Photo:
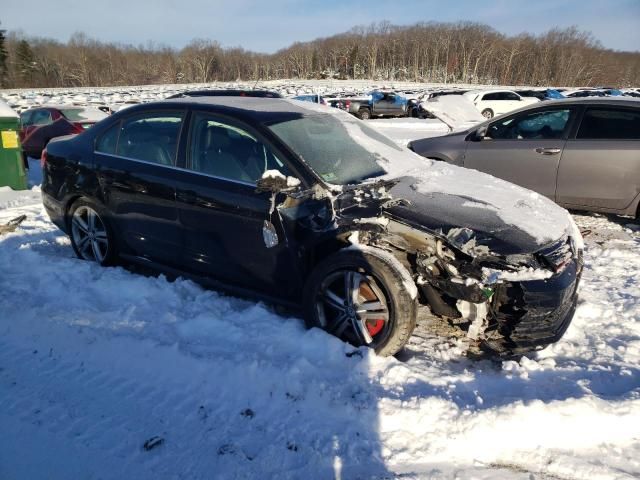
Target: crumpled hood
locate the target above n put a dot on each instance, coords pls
(505, 218)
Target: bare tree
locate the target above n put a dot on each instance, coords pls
(435, 52)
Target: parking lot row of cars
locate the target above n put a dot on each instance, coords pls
(490, 102)
(552, 126)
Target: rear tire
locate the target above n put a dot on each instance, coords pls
(359, 296)
(487, 113)
(364, 114)
(91, 235)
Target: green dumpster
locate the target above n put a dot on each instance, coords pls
(12, 171)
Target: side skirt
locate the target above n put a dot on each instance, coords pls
(213, 284)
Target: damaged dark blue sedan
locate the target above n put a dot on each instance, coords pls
(306, 206)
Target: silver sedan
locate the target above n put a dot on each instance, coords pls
(582, 153)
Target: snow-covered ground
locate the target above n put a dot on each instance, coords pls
(109, 374)
(403, 130)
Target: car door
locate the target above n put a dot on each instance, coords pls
(376, 99)
(600, 166)
(524, 149)
(135, 164)
(221, 212)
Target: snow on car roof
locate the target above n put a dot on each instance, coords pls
(495, 90)
(261, 105)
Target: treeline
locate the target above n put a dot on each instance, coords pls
(427, 52)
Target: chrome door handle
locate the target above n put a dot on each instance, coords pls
(548, 151)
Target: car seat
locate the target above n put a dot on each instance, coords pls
(147, 147)
(215, 158)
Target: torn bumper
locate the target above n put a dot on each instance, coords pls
(531, 315)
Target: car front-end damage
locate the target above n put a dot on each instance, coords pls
(496, 263)
(508, 304)
(503, 303)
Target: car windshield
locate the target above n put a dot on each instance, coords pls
(343, 150)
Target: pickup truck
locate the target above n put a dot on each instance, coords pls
(379, 104)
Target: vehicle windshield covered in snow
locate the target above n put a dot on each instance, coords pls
(341, 149)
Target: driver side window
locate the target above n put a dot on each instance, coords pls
(226, 151)
(550, 124)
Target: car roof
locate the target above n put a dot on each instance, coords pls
(615, 101)
(227, 93)
(62, 106)
(247, 108)
(494, 90)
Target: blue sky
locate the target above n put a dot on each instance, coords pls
(269, 25)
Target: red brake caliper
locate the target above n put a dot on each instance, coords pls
(374, 326)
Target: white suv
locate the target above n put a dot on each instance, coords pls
(496, 102)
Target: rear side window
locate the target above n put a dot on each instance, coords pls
(610, 124)
(109, 140)
(492, 96)
(151, 137)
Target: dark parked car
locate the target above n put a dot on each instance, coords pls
(582, 153)
(311, 208)
(39, 125)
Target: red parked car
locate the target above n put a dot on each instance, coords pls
(39, 125)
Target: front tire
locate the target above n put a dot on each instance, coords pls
(487, 113)
(359, 296)
(91, 236)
